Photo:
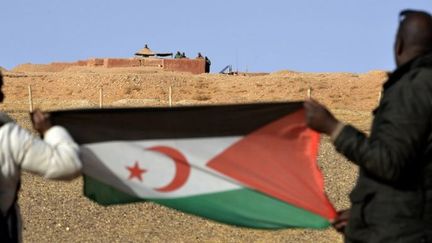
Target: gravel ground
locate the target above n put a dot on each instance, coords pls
(56, 211)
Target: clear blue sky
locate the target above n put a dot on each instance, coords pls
(253, 35)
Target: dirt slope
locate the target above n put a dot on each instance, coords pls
(57, 211)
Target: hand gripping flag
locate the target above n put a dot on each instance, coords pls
(251, 165)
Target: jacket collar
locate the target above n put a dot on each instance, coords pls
(421, 61)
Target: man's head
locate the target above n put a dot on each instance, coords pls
(414, 36)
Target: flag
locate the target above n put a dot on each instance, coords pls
(251, 165)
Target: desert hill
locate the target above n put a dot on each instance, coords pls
(57, 211)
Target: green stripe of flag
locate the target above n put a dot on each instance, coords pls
(241, 207)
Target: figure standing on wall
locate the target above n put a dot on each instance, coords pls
(207, 65)
(178, 55)
(199, 56)
(183, 55)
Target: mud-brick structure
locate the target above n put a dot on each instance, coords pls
(143, 58)
(195, 66)
(148, 58)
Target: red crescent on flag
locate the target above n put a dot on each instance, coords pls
(181, 164)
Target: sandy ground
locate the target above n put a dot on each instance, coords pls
(57, 212)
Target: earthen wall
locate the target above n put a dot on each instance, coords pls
(195, 66)
(95, 62)
(121, 62)
(151, 62)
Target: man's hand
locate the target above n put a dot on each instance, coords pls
(319, 118)
(41, 121)
(341, 221)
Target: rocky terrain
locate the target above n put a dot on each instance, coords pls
(58, 212)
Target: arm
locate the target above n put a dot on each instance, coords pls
(55, 157)
(396, 139)
(58, 155)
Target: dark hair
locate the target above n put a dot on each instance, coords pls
(422, 38)
(406, 12)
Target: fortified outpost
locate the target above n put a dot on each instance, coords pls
(143, 58)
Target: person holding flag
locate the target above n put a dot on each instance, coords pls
(54, 157)
(392, 200)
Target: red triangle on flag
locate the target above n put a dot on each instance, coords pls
(279, 160)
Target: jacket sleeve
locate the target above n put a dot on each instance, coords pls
(399, 132)
(55, 157)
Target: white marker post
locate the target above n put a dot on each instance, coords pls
(379, 96)
(30, 98)
(309, 93)
(100, 97)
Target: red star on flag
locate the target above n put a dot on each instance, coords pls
(135, 171)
